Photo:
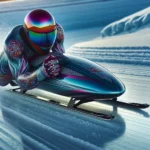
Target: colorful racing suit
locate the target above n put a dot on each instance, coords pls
(16, 61)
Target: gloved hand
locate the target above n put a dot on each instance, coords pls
(51, 66)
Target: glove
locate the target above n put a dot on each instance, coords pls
(51, 67)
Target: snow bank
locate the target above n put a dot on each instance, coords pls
(125, 48)
(131, 48)
(128, 24)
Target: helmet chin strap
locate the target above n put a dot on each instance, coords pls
(45, 49)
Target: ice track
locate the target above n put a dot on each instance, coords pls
(32, 124)
(28, 124)
(55, 128)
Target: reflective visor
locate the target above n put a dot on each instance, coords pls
(43, 39)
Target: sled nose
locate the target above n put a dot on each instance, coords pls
(94, 88)
(112, 87)
(109, 86)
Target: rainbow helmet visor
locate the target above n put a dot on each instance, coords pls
(41, 27)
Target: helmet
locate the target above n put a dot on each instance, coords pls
(41, 28)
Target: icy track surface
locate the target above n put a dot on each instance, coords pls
(29, 124)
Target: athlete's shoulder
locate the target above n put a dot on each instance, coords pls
(14, 33)
(13, 43)
(14, 49)
(60, 32)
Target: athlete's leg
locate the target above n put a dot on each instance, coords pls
(5, 73)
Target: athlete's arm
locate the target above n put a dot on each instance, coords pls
(59, 42)
(20, 69)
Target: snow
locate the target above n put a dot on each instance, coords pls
(129, 49)
(128, 24)
(26, 123)
(125, 48)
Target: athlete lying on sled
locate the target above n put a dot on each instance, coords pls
(34, 41)
(36, 38)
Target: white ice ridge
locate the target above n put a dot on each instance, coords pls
(124, 55)
(128, 24)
